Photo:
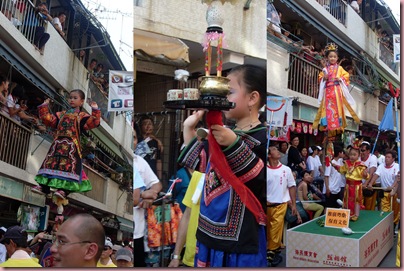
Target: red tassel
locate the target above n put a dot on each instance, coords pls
(218, 160)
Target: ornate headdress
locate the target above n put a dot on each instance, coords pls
(331, 47)
(356, 144)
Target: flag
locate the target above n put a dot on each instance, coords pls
(387, 123)
(396, 47)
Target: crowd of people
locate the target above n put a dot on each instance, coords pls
(80, 241)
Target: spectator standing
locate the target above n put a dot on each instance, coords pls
(40, 36)
(355, 5)
(15, 241)
(146, 187)
(295, 160)
(4, 84)
(124, 258)
(283, 149)
(58, 23)
(281, 188)
(79, 242)
(313, 164)
(105, 258)
(150, 148)
(333, 181)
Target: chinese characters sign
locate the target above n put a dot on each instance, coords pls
(337, 218)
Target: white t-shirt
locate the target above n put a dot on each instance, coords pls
(370, 163)
(355, 6)
(387, 174)
(56, 21)
(340, 162)
(284, 158)
(149, 178)
(334, 180)
(279, 179)
(380, 160)
(313, 164)
(11, 103)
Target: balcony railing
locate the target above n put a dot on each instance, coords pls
(337, 8)
(22, 15)
(102, 101)
(14, 142)
(303, 76)
(98, 182)
(386, 55)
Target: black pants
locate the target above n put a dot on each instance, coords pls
(40, 37)
(138, 253)
(331, 201)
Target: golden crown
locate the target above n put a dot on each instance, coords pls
(331, 47)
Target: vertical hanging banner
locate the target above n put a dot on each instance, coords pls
(396, 46)
(120, 97)
(279, 117)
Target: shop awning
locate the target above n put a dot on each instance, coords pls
(160, 48)
(104, 141)
(125, 224)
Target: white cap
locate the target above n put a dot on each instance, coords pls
(319, 148)
(108, 243)
(3, 229)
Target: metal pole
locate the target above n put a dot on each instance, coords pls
(397, 130)
(374, 145)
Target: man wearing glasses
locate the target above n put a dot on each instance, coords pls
(370, 160)
(105, 259)
(79, 242)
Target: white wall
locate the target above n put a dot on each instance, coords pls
(244, 29)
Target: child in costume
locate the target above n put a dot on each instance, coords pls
(333, 96)
(354, 171)
(230, 231)
(62, 168)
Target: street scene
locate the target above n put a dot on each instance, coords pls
(200, 133)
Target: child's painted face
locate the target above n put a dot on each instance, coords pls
(75, 100)
(238, 94)
(332, 57)
(353, 155)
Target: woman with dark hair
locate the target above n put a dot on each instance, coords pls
(295, 160)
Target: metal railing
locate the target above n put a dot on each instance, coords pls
(101, 99)
(386, 55)
(337, 8)
(14, 142)
(22, 15)
(303, 76)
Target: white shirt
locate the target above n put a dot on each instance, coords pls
(340, 162)
(57, 22)
(11, 103)
(3, 253)
(279, 179)
(380, 161)
(355, 6)
(149, 178)
(370, 163)
(387, 174)
(314, 164)
(334, 180)
(284, 158)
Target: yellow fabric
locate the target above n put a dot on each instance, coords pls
(354, 173)
(189, 254)
(370, 202)
(20, 263)
(275, 223)
(315, 207)
(99, 264)
(398, 250)
(321, 113)
(386, 203)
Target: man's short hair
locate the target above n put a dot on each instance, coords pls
(90, 229)
(392, 152)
